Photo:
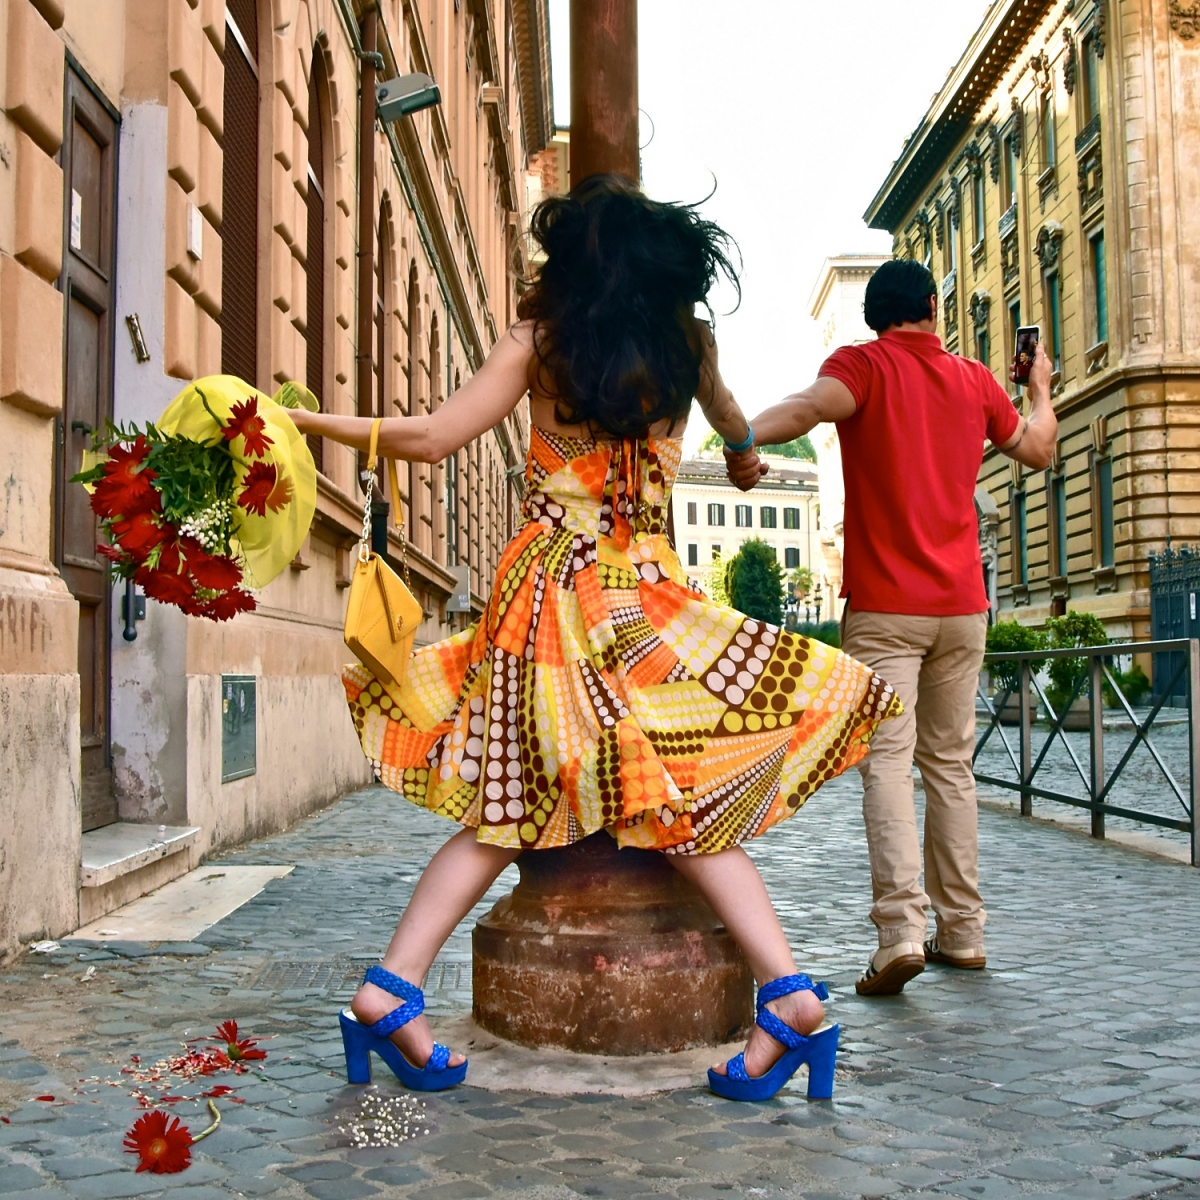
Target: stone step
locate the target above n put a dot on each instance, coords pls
(115, 850)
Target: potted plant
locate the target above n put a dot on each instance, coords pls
(1066, 674)
(1009, 637)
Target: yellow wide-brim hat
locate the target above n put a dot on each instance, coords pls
(265, 544)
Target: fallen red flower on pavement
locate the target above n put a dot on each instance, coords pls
(44, 1098)
(237, 1048)
(163, 1147)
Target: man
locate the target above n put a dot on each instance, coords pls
(911, 421)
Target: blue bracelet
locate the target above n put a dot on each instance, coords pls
(741, 447)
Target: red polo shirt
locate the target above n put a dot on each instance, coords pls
(910, 457)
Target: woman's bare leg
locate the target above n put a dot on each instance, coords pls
(450, 886)
(730, 882)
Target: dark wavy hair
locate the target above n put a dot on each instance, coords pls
(612, 305)
(898, 291)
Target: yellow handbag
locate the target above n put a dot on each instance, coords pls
(382, 615)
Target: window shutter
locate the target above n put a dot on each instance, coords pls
(239, 197)
(315, 270)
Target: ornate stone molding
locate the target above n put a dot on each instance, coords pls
(1100, 29)
(1018, 128)
(1185, 18)
(1049, 244)
(981, 306)
(1070, 63)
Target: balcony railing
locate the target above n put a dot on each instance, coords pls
(1088, 134)
(1008, 219)
(1047, 776)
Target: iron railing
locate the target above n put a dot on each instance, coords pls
(1097, 797)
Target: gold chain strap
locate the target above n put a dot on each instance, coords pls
(368, 476)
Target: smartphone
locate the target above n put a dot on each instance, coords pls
(1028, 337)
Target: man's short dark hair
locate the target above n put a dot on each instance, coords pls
(898, 291)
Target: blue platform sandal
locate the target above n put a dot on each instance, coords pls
(819, 1050)
(360, 1040)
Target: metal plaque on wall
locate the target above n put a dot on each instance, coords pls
(239, 746)
(460, 600)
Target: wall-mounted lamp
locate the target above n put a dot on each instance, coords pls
(405, 95)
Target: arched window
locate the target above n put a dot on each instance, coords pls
(239, 193)
(415, 473)
(318, 107)
(383, 282)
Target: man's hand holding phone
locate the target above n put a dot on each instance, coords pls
(1036, 371)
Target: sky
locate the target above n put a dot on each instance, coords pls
(797, 109)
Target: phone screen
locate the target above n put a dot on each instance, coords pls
(1028, 337)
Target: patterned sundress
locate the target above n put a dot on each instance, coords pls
(603, 690)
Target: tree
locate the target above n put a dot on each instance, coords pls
(801, 447)
(754, 581)
(802, 580)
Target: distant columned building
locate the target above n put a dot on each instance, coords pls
(713, 518)
(836, 304)
(1051, 183)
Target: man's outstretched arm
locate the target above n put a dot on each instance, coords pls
(1036, 435)
(827, 399)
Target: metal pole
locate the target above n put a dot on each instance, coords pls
(1096, 713)
(1193, 700)
(366, 223)
(604, 89)
(1026, 740)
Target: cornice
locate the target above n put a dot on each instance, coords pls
(996, 44)
(531, 38)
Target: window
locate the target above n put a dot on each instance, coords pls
(691, 513)
(983, 346)
(951, 234)
(1014, 323)
(1020, 539)
(716, 552)
(743, 516)
(1102, 502)
(1056, 522)
(452, 516)
(1091, 80)
(716, 514)
(977, 204)
(791, 557)
(314, 333)
(766, 517)
(1048, 133)
(693, 554)
(1010, 170)
(1099, 289)
(1052, 290)
(239, 193)
(791, 518)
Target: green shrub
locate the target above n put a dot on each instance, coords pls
(1072, 629)
(1133, 683)
(1007, 637)
(754, 581)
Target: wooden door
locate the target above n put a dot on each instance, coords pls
(89, 160)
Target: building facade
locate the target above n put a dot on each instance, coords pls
(190, 187)
(712, 518)
(1051, 183)
(836, 305)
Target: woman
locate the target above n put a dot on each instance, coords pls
(600, 689)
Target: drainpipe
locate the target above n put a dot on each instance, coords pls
(366, 215)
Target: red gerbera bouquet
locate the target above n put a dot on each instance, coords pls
(181, 512)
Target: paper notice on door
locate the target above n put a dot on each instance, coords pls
(76, 220)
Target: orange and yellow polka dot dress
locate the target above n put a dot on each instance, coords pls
(601, 690)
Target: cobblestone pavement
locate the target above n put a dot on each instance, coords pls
(1069, 1067)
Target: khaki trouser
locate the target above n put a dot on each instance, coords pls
(933, 663)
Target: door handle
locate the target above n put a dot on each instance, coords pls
(82, 427)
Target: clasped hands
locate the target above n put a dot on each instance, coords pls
(745, 469)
